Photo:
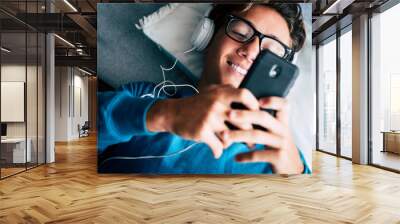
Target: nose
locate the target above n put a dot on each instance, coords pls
(250, 50)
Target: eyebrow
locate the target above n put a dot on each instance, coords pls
(271, 35)
(254, 27)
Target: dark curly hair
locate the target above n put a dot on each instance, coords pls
(290, 12)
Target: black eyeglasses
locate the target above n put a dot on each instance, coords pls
(243, 31)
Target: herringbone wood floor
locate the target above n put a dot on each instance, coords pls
(70, 191)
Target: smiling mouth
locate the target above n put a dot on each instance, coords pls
(237, 68)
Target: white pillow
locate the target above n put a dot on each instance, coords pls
(171, 27)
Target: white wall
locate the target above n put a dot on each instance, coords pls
(80, 87)
(62, 81)
(12, 73)
(33, 127)
(70, 83)
(12, 101)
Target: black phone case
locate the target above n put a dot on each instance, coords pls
(269, 75)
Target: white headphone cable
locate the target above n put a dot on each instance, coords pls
(176, 85)
(149, 157)
(163, 85)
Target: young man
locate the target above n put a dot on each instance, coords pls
(135, 132)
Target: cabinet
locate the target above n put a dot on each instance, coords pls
(391, 141)
(13, 150)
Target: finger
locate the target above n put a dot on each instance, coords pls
(214, 143)
(269, 156)
(217, 122)
(248, 99)
(243, 96)
(262, 118)
(240, 125)
(252, 137)
(273, 102)
(279, 104)
(225, 144)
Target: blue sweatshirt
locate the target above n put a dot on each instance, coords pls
(122, 134)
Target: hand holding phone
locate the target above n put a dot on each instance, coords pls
(269, 75)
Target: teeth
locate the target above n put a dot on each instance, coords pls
(238, 68)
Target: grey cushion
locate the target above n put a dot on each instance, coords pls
(124, 53)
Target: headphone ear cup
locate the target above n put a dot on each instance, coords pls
(202, 34)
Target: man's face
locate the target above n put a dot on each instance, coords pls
(227, 61)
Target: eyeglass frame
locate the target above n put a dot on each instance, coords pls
(288, 51)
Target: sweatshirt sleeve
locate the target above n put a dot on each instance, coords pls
(122, 114)
(307, 169)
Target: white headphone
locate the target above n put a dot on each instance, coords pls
(203, 32)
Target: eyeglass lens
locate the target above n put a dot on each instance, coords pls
(243, 32)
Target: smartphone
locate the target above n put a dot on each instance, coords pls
(269, 75)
